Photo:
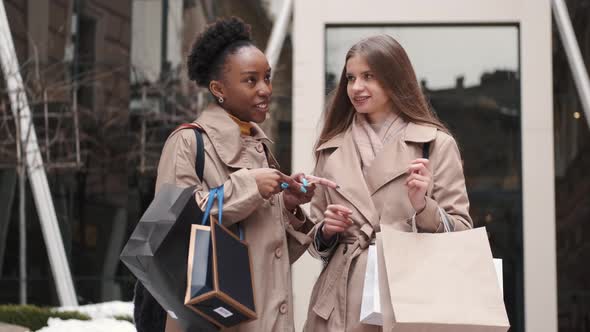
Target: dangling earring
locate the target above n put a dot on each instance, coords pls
(221, 100)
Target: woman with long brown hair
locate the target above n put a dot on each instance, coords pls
(377, 130)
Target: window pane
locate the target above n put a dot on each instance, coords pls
(572, 180)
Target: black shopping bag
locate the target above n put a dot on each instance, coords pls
(219, 271)
(157, 250)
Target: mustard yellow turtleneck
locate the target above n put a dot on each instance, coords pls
(245, 127)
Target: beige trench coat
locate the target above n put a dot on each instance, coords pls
(381, 198)
(275, 236)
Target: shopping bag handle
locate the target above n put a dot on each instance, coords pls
(443, 217)
(210, 200)
(220, 195)
(217, 193)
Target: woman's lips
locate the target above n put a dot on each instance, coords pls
(360, 100)
(263, 107)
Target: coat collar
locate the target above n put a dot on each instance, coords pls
(419, 133)
(224, 134)
(414, 132)
(390, 163)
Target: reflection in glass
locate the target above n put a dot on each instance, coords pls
(470, 74)
(572, 181)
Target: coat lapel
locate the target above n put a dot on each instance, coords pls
(345, 169)
(224, 135)
(394, 159)
(390, 163)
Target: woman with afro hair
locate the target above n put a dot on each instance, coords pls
(225, 60)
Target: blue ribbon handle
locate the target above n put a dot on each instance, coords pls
(210, 200)
(213, 194)
(220, 203)
(220, 195)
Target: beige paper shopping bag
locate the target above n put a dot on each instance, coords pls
(439, 282)
(371, 300)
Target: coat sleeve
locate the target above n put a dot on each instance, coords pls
(448, 189)
(177, 166)
(298, 229)
(319, 203)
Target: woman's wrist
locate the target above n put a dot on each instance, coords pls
(289, 204)
(326, 236)
(291, 207)
(295, 211)
(420, 209)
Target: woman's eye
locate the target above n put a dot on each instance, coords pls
(368, 76)
(350, 78)
(251, 80)
(267, 78)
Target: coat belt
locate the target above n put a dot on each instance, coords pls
(334, 291)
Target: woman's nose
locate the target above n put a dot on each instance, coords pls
(358, 85)
(264, 90)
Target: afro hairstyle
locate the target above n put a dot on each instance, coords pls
(212, 46)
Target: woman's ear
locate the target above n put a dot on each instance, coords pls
(216, 88)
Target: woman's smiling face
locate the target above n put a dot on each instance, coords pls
(364, 90)
(246, 85)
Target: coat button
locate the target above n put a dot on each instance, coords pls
(272, 200)
(278, 252)
(283, 308)
(259, 148)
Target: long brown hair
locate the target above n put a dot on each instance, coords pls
(393, 70)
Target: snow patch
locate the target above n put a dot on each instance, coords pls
(103, 310)
(97, 325)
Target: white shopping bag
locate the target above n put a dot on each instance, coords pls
(371, 306)
(499, 272)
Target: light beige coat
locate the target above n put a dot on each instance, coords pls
(380, 198)
(275, 236)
